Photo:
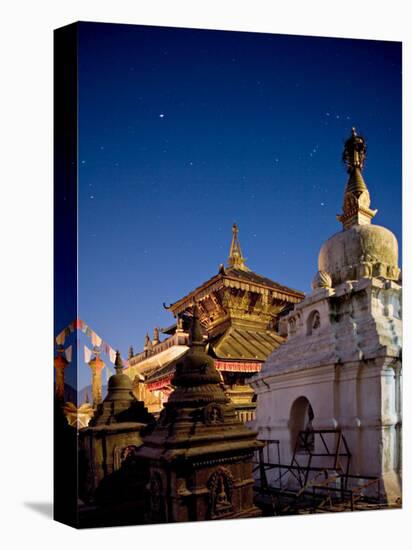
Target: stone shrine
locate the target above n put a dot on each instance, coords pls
(340, 368)
(199, 454)
(107, 447)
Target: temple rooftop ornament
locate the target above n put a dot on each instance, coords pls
(236, 258)
(356, 201)
(238, 279)
(148, 346)
(361, 249)
(156, 338)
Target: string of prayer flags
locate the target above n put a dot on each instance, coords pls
(96, 340)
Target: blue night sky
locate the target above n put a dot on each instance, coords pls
(183, 132)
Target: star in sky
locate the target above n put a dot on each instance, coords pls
(229, 136)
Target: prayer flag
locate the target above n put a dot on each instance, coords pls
(87, 354)
(68, 353)
(96, 340)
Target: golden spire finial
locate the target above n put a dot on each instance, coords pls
(236, 259)
(356, 200)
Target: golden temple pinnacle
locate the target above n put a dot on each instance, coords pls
(236, 259)
(356, 200)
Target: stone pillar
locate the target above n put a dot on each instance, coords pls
(60, 363)
(96, 365)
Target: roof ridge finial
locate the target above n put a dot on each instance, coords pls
(354, 152)
(356, 200)
(236, 258)
(147, 343)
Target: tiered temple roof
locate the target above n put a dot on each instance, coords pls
(238, 310)
(240, 343)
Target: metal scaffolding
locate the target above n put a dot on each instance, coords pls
(318, 478)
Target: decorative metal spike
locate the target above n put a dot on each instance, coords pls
(354, 152)
(236, 258)
(356, 202)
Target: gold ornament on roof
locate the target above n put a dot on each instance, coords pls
(356, 201)
(236, 258)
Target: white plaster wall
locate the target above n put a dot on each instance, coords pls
(348, 369)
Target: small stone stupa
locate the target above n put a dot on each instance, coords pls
(341, 366)
(200, 454)
(107, 447)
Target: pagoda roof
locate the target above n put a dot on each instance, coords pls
(243, 277)
(236, 344)
(169, 330)
(238, 275)
(165, 370)
(156, 361)
(253, 277)
(239, 343)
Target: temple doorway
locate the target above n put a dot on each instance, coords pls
(301, 418)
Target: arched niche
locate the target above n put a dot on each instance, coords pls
(301, 418)
(313, 322)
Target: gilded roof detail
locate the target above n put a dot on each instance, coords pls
(242, 343)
